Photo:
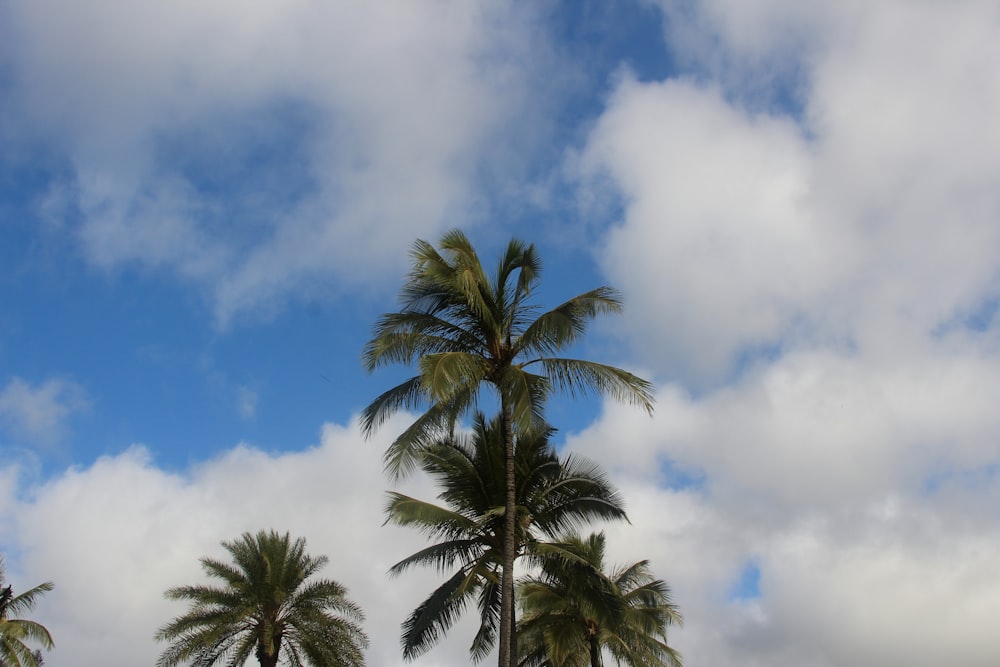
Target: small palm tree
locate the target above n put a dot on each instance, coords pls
(553, 495)
(469, 332)
(15, 631)
(266, 608)
(573, 611)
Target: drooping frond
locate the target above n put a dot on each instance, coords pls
(565, 324)
(435, 615)
(405, 336)
(430, 519)
(577, 377)
(435, 423)
(408, 394)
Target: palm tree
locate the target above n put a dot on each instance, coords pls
(573, 611)
(265, 607)
(15, 631)
(553, 496)
(468, 331)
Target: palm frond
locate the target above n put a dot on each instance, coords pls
(435, 615)
(266, 607)
(565, 324)
(408, 394)
(577, 377)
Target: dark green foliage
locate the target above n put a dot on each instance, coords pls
(266, 608)
(573, 611)
(469, 332)
(553, 495)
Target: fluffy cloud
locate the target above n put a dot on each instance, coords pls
(258, 152)
(869, 219)
(819, 286)
(134, 530)
(38, 414)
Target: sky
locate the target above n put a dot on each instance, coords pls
(204, 206)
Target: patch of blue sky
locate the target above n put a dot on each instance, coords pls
(680, 478)
(256, 160)
(980, 318)
(976, 479)
(747, 585)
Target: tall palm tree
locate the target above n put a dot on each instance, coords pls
(573, 611)
(265, 607)
(468, 332)
(14, 631)
(553, 495)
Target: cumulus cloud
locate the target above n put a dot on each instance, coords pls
(133, 530)
(817, 287)
(38, 414)
(867, 220)
(259, 152)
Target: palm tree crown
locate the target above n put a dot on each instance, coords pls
(15, 631)
(266, 607)
(553, 496)
(573, 611)
(466, 331)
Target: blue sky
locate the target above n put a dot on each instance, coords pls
(205, 206)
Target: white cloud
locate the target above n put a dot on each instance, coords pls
(718, 249)
(868, 221)
(115, 535)
(816, 287)
(247, 402)
(39, 413)
(340, 131)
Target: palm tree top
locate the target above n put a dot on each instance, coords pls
(575, 608)
(465, 330)
(267, 605)
(15, 630)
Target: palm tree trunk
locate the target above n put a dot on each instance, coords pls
(595, 652)
(266, 659)
(508, 646)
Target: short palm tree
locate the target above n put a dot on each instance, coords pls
(266, 608)
(468, 331)
(15, 631)
(573, 611)
(553, 495)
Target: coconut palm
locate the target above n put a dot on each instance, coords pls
(265, 607)
(469, 332)
(573, 611)
(553, 495)
(15, 631)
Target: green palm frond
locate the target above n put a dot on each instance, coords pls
(435, 423)
(435, 615)
(552, 493)
(466, 330)
(442, 556)
(431, 519)
(265, 607)
(557, 329)
(574, 602)
(444, 373)
(16, 631)
(576, 378)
